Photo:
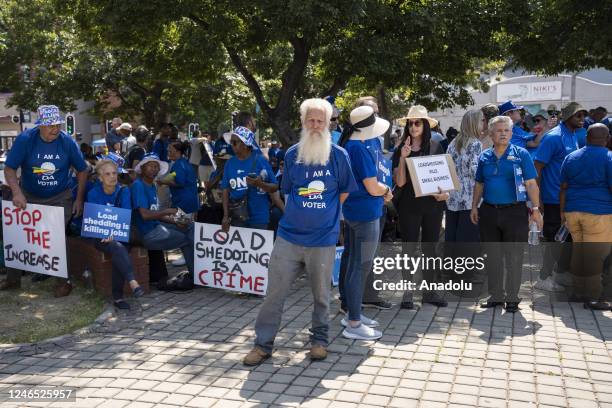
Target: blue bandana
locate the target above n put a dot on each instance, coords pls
(49, 115)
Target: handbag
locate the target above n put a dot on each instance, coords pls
(238, 209)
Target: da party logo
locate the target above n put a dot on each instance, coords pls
(314, 190)
(47, 168)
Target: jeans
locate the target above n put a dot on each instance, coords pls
(169, 236)
(504, 235)
(123, 271)
(459, 227)
(287, 262)
(361, 239)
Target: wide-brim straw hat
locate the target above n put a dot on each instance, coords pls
(367, 125)
(419, 112)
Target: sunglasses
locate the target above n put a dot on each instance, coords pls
(334, 119)
(416, 123)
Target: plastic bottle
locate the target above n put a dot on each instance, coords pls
(534, 234)
(562, 234)
(88, 279)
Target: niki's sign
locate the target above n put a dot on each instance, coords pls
(529, 91)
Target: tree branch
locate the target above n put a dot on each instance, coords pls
(335, 87)
(295, 71)
(249, 78)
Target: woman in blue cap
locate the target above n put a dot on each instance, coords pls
(247, 177)
(109, 192)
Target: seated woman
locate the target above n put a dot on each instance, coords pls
(108, 192)
(247, 174)
(158, 229)
(182, 179)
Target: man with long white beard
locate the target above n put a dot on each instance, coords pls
(317, 178)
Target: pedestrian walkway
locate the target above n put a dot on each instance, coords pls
(185, 349)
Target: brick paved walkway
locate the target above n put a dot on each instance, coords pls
(186, 350)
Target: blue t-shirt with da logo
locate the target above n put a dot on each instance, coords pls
(365, 157)
(45, 166)
(144, 196)
(312, 207)
(235, 173)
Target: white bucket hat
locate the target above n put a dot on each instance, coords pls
(366, 125)
(419, 112)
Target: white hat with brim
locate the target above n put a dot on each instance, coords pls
(374, 126)
(152, 157)
(419, 112)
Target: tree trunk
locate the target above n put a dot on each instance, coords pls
(383, 110)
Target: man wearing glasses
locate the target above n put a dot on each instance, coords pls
(568, 136)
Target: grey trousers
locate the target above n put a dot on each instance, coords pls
(287, 262)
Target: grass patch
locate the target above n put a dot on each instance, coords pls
(32, 314)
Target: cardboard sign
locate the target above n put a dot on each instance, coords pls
(336, 271)
(236, 260)
(427, 173)
(103, 221)
(35, 238)
(209, 151)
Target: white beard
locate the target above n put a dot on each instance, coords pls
(314, 147)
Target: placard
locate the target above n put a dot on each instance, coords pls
(209, 151)
(236, 260)
(337, 262)
(35, 238)
(384, 170)
(430, 172)
(103, 221)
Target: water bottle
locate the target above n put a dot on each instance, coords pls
(534, 234)
(562, 234)
(88, 279)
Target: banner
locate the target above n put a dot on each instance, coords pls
(236, 260)
(427, 173)
(102, 221)
(35, 238)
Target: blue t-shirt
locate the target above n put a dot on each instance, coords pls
(185, 194)
(588, 174)
(45, 166)
(520, 137)
(144, 196)
(112, 138)
(160, 148)
(365, 157)
(554, 147)
(235, 173)
(498, 176)
(121, 196)
(220, 144)
(312, 194)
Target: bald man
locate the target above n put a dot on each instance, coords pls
(586, 207)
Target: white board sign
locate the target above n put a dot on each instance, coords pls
(428, 173)
(236, 260)
(529, 91)
(35, 238)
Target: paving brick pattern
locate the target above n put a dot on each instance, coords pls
(185, 349)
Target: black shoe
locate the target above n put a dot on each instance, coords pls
(490, 303)
(121, 304)
(381, 304)
(407, 305)
(138, 291)
(435, 300)
(597, 305)
(512, 307)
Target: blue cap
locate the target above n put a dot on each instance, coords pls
(507, 107)
(118, 160)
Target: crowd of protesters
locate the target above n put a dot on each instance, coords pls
(519, 175)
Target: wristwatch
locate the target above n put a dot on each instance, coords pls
(386, 191)
(535, 208)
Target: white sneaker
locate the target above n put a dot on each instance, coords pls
(179, 262)
(365, 320)
(548, 285)
(362, 332)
